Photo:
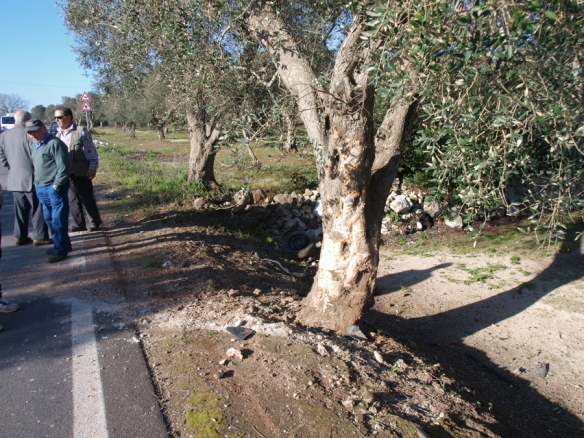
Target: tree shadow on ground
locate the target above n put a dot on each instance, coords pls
(523, 410)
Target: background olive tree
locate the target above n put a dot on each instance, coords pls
(183, 45)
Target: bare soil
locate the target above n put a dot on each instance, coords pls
(452, 338)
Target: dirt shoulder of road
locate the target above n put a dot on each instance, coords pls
(452, 339)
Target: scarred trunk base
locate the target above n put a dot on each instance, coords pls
(344, 284)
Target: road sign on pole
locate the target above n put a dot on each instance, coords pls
(85, 97)
(86, 107)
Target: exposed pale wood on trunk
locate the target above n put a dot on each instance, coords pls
(356, 166)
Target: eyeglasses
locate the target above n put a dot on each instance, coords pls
(59, 117)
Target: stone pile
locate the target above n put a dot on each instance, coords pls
(282, 214)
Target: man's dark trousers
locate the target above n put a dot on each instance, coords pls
(81, 195)
(25, 204)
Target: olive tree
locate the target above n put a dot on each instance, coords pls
(356, 161)
(180, 42)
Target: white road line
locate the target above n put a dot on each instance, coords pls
(89, 420)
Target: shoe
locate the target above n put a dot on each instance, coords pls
(24, 241)
(56, 258)
(75, 229)
(41, 242)
(8, 307)
(50, 250)
(94, 227)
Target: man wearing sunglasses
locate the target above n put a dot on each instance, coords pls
(84, 163)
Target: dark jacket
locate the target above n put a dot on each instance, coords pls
(15, 157)
(51, 162)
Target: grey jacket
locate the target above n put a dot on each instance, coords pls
(15, 156)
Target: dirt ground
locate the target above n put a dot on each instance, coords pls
(453, 342)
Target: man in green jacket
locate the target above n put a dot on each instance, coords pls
(51, 177)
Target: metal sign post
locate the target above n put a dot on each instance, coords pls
(85, 99)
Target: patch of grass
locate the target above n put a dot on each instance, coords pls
(515, 260)
(151, 175)
(393, 217)
(148, 263)
(205, 418)
(401, 241)
(481, 274)
(523, 271)
(527, 285)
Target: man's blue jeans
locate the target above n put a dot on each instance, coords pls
(56, 213)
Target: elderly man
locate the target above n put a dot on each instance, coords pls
(84, 162)
(51, 177)
(15, 157)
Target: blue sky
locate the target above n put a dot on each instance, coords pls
(36, 58)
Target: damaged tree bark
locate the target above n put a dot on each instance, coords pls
(356, 165)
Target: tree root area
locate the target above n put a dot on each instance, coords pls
(189, 276)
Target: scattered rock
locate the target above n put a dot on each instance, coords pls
(401, 204)
(541, 370)
(235, 353)
(356, 333)
(348, 404)
(378, 357)
(260, 197)
(455, 223)
(200, 203)
(432, 208)
(322, 350)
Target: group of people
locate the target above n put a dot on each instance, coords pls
(49, 176)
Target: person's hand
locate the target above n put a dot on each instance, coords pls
(91, 173)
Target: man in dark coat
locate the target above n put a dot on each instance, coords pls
(15, 157)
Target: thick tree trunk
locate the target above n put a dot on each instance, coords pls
(290, 145)
(356, 166)
(203, 136)
(161, 133)
(132, 130)
(353, 194)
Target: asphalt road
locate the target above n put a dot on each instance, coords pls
(71, 364)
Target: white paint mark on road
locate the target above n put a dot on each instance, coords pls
(78, 262)
(89, 420)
